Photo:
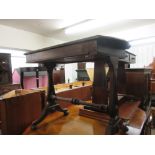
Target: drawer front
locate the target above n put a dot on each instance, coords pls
(132, 59)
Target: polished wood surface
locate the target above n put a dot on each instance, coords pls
(138, 81)
(103, 51)
(138, 119)
(94, 115)
(84, 50)
(83, 93)
(152, 66)
(74, 124)
(127, 109)
(77, 91)
(18, 109)
(67, 86)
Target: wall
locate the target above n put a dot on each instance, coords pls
(145, 53)
(15, 38)
(51, 41)
(70, 72)
(135, 33)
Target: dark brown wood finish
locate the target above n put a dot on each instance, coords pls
(5, 68)
(51, 104)
(83, 93)
(84, 50)
(63, 54)
(18, 109)
(128, 110)
(102, 50)
(100, 92)
(73, 124)
(8, 87)
(58, 75)
(138, 84)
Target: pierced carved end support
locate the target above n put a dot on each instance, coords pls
(113, 98)
(114, 123)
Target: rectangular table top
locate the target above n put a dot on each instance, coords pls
(82, 50)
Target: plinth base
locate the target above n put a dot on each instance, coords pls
(94, 115)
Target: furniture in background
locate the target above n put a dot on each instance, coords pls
(138, 84)
(63, 90)
(35, 77)
(18, 109)
(152, 87)
(8, 87)
(74, 90)
(5, 69)
(82, 74)
(6, 74)
(152, 91)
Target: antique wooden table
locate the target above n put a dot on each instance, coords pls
(103, 51)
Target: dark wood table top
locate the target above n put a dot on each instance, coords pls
(86, 49)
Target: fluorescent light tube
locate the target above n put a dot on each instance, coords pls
(88, 25)
(70, 22)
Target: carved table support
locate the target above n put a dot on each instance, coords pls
(116, 68)
(113, 98)
(51, 106)
(100, 94)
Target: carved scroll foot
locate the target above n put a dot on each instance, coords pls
(41, 118)
(113, 126)
(116, 125)
(46, 111)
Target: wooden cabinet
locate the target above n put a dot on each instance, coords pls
(59, 76)
(18, 109)
(82, 74)
(34, 77)
(5, 68)
(6, 74)
(82, 93)
(138, 82)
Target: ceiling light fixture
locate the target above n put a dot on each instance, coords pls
(89, 25)
(69, 22)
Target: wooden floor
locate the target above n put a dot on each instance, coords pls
(73, 124)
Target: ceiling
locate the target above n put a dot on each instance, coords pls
(55, 28)
(44, 27)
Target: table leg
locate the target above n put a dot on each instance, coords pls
(113, 99)
(51, 106)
